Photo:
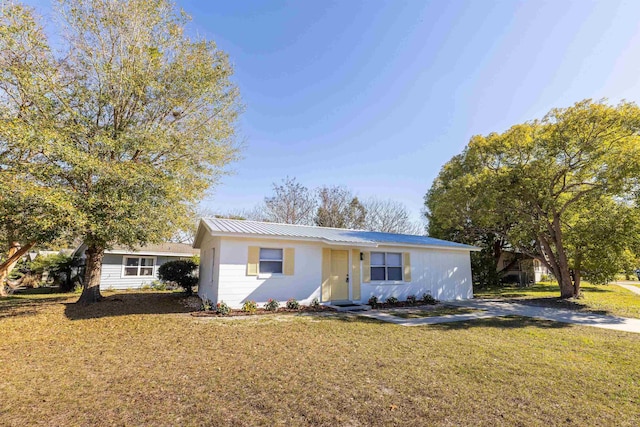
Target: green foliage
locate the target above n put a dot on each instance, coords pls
(292, 304)
(429, 299)
(206, 304)
(392, 300)
(249, 306)
(181, 272)
(222, 308)
(315, 303)
(552, 189)
(272, 305)
(411, 299)
(373, 301)
(118, 137)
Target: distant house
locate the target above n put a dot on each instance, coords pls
(249, 260)
(515, 267)
(123, 268)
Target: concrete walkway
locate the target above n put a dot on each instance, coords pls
(497, 308)
(632, 286)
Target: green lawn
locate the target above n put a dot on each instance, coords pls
(138, 359)
(605, 299)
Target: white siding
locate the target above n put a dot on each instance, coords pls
(209, 269)
(235, 287)
(445, 274)
(112, 276)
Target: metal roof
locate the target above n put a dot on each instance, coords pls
(340, 236)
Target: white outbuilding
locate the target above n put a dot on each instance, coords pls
(249, 260)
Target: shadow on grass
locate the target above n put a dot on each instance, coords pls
(123, 304)
(553, 302)
(25, 302)
(504, 322)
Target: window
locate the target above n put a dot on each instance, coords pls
(270, 261)
(138, 266)
(386, 266)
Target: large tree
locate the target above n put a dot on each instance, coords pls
(291, 203)
(339, 208)
(559, 189)
(133, 121)
(389, 216)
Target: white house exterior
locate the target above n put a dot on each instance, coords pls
(125, 268)
(249, 260)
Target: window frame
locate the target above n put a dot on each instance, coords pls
(139, 267)
(386, 267)
(260, 260)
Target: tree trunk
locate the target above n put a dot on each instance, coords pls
(576, 283)
(564, 280)
(15, 253)
(93, 270)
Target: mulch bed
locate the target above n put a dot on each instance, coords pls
(262, 312)
(401, 304)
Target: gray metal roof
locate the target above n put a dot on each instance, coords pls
(218, 226)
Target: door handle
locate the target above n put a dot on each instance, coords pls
(347, 278)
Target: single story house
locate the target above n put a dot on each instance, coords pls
(125, 268)
(250, 260)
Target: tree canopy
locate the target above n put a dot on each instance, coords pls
(124, 130)
(562, 189)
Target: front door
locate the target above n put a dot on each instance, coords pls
(339, 275)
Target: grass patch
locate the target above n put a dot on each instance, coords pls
(438, 311)
(137, 359)
(602, 299)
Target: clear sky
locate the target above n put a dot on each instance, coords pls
(377, 95)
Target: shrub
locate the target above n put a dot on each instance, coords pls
(392, 300)
(411, 299)
(373, 301)
(272, 305)
(222, 308)
(315, 303)
(182, 272)
(428, 299)
(293, 304)
(206, 304)
(249, 306)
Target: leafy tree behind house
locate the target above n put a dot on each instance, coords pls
(182, 272)
(130, 125)
(551, 188)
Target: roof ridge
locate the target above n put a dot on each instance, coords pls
(320, 227)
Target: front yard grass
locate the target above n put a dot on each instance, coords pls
(604, 299)
(139, 359)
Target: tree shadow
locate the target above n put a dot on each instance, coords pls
(123, 304)
(503, 322)
(554, 302)
(21, 302)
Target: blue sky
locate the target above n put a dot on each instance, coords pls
(378, 95)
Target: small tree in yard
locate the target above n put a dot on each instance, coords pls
(182, 272)
(123, 132)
